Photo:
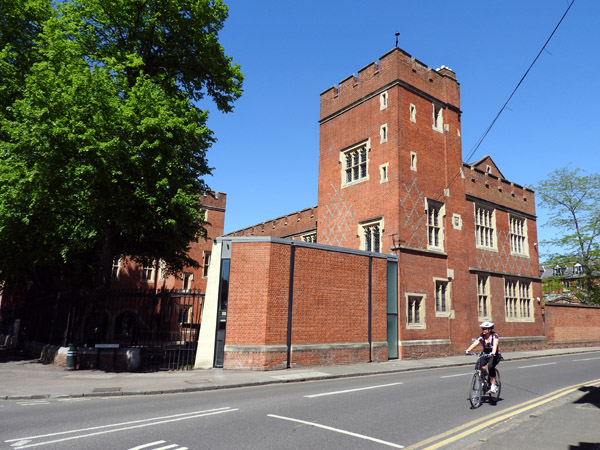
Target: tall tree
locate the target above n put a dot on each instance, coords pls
(102, 142)
(573, 201)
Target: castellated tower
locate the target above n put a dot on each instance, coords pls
(389, 145)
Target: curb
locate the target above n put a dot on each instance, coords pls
(269, 382)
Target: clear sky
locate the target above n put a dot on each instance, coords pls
(266, 157)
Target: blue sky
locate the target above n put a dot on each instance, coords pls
(266, 157)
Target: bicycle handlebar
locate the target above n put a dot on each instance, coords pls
(479, 354)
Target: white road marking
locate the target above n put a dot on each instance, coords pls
(586, 359)
(337, 430)
(124, 426)
(457, 375)
(74, 399)
(351, 390)
(151, 444)
(536, 365)
(34, 403)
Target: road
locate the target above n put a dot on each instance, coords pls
(373, 412)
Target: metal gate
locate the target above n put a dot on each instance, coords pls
(164, 325)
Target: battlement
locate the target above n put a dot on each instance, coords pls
(216, 200)
(284, 226)
(394, 68)
(485, 185)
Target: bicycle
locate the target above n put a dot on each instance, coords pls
(480, 382)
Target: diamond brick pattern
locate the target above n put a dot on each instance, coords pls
(337, 217)
(502, 260)
(412, 204)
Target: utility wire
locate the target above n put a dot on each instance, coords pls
(480, 140)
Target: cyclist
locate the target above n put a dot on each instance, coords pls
(489, 340)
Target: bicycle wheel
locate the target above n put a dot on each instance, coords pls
(475, 390)
(496, 395)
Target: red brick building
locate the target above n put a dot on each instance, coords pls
(392, 182)
(130, 274)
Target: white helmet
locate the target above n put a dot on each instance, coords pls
(487, 325)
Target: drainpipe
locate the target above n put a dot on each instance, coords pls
(290, 304)
(370, 307)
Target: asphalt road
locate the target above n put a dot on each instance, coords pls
(374, 412)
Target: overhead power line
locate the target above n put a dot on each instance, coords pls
(483, 136)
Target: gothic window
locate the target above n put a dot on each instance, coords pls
(370, 236)
(483, 297)
(485, 227)
(435, 230)
(517, 300)
(518, 235)
(355, 164)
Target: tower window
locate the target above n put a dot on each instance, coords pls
(383, 100)
(438, 118)
(355, 164)
(383, 133)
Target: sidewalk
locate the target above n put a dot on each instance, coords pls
(568, 423)
(29, 379)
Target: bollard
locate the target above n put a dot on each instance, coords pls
(71, 357)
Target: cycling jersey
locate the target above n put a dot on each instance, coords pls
(488, 344)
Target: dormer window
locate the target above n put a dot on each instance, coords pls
(578, 268)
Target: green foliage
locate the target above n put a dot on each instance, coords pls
(102, 146)
(573, 200)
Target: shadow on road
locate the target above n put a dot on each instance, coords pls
(592, 397)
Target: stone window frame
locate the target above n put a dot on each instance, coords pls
(437, 117)
(384, 173)
(162, 267)
(415, 311)
(484, 298)
(206, 258)
(413, 161)
(383, 100)
(446, 284)
(370, 234)
(311, 236)
(116, 268)
(186, 281)
(147, 273)
(518, 301)
(485, 227)
(358, 169)
(437, 211)
(383, 133)
(517, 231)
(413, 113)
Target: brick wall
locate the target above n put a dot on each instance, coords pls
(572, 325)
(330, 316)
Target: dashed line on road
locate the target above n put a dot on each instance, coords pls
(457, 375)
(346, 391)
(536, 365)
(34, 403)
